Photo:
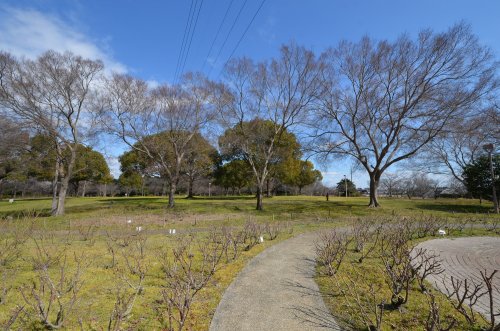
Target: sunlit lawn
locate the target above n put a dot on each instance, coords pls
(299, 206)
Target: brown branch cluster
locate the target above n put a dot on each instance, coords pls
(331, 250)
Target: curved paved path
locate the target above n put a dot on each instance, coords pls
(276, 291)
(464, 258)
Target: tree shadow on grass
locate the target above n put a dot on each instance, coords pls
(222, 197)
(454, 208)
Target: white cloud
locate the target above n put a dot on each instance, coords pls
(114, 166)
(28, 32)
(152, 83)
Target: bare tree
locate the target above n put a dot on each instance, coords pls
(13, 141)
(279, 93)
(460, 143)
(158, 123)
(51, 94)
(392, 183)
(385, 101)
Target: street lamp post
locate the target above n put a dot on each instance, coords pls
(345, 182)
(490, 148)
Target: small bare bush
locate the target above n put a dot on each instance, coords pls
(251, 234)
(331, 250)
(395, 253)
(491, 291)
(13, 238)
(434, 321)
(425, 264)
(234, 240)
(13, 316)
(458, 224)
(272, 230)
(428, 226)
(492, 225)
(463, 295)
(366, 302)
(366, 234)
(130, 279)
(51, 297)
(188, 269)
(11, 244)
(88, 232)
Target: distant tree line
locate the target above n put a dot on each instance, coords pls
(376, 103)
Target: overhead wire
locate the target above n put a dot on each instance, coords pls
(191, 39)
(227, 35)
(187, 28)
(245, 31)
(216, 35)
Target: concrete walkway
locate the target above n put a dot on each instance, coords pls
(464, 258)
(276, 291)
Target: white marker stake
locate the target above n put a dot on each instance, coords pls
(261, 239)
(173, 231)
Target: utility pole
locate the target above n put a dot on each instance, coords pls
(490, 148)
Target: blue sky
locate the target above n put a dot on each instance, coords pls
(144, 38)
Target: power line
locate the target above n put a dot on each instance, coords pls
(246, 30)
(228, 34)
(191, 39)
(187, 28)
(217, 34)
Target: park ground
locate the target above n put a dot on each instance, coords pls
(88, 220)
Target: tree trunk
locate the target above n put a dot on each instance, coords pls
(164, 189)
(23, 192)
(54, 194)
(268, 187)
(374, 181)
(300, 190)
(65, 183)
(55, 183)
(84, 188)
(171, 194)
(62, 196)
(259, 197)
(190, 188)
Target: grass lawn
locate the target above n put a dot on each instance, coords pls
(303, 207)
(84, 228)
